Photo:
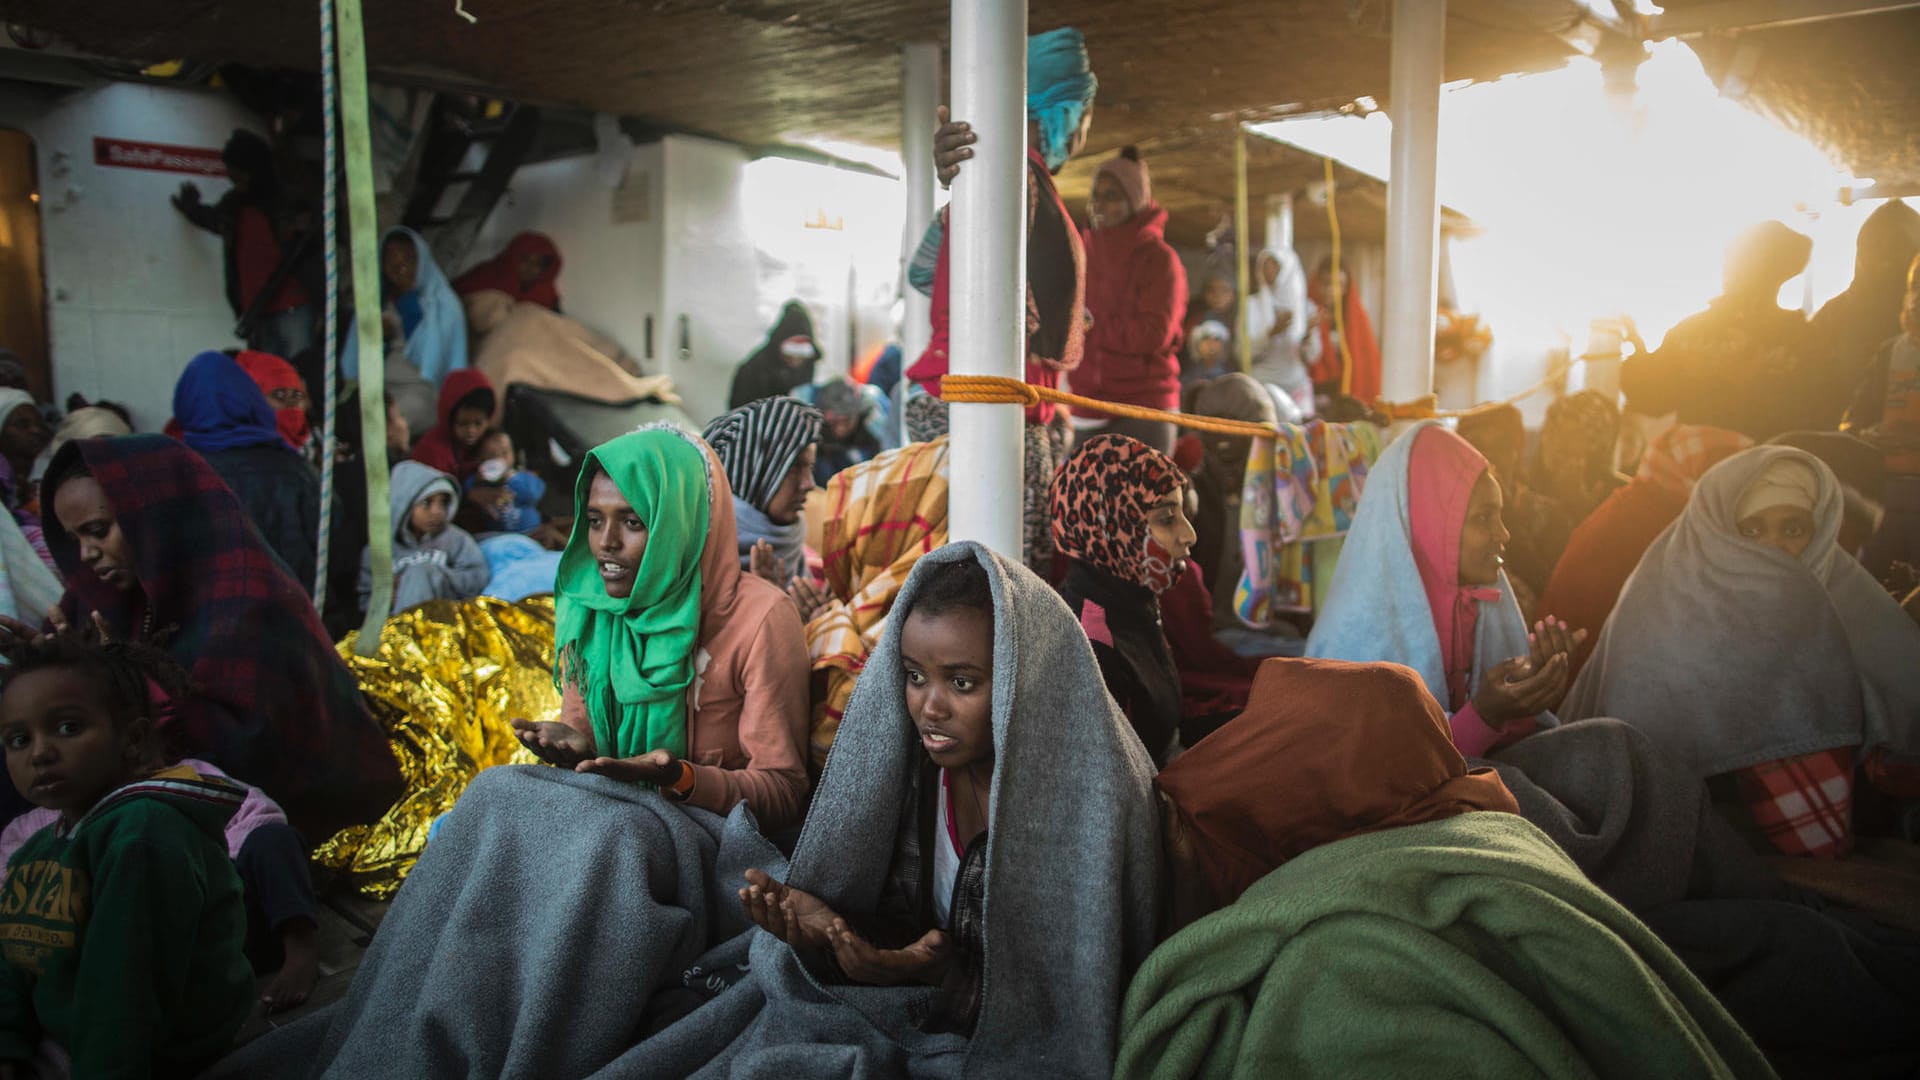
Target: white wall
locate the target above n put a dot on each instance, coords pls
(133, 290)
(610, 275)
(710, 272)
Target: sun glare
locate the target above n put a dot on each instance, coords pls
(1595, 204)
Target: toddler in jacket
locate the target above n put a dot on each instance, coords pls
(502, 497)
(121, 923)
(433, 559)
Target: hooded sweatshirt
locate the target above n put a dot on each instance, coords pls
(1137, 292)
(446, 566)
(123, 933)
(436, 449)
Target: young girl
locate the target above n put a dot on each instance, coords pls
(1420, 583)
(1749, 646)
(1119, 515)
(122, 923)
(946, 785)
(768, 448)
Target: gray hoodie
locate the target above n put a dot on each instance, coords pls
(445, 566)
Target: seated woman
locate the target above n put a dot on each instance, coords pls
(652, 613)
(223, 415)
(1370, 872)
(527, 269)
(683, 686)
(1748, 645)
(1119, 516)
(155, 548)
(768, 448)
(1219, 481)
(1419, 583)
(881, 953)
(286, 393)
(426, 328)
(853, 424)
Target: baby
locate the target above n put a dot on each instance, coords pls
(501, 497)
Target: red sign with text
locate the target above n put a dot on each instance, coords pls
(160, 157)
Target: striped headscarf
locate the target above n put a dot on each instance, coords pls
(758, 443)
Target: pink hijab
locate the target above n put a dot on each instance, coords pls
(1441, 473)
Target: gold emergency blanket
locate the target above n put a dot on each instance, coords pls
(449, 678)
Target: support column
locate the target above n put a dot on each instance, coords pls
(1413, 199)
(1280, 221)
(987, 268)
(1242, 244)
(919, 97)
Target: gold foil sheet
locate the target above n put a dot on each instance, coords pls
(448, 680)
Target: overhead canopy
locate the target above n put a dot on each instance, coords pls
(1173, 77)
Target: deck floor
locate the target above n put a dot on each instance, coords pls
(347, 922)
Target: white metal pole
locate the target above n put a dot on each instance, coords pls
(1280, 221)
(987, 268)
(1413, 199)
(919, 98)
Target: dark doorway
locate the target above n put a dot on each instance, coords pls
(23, 298)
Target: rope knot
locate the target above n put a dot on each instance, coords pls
(988, 390)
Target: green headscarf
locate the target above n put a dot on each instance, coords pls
(632, 659)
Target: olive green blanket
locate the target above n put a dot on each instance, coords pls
(1470, 946)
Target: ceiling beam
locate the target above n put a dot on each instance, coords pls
(1730, 16)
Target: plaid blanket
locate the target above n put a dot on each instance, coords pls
(881, 517)
(272, 704)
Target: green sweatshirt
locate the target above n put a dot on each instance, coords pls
(122, 934)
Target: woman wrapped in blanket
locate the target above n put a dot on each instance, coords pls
(1391, 914)
(882, 954)
(1420, 583)
(1119, 514)
(1749, 647)
(155, 548)
(675, 669)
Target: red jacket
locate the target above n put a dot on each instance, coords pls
(1056, 280)
(1137, 292)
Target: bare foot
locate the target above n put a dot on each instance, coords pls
(300, 941)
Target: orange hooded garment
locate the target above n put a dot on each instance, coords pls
(1326, 749)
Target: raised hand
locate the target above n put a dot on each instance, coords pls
(766, 566)
(924, 961)
(952, 144)
(1551, 637)
(555, 743)
(1515, 690)
(798, 918)
(807, 596)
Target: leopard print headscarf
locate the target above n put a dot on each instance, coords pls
(1100, 501)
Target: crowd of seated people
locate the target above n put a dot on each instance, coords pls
(1556, 788)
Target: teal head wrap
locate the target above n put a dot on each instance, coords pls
(1060, 87)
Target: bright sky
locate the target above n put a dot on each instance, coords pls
(1592, 209)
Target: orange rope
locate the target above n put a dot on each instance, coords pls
(1000, 390)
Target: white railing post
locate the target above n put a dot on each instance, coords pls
(1413, 199)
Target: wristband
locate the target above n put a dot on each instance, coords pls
(682, 787)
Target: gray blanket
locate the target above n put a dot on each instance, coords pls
(1636, 822)
(1072, 863)
(532, 937)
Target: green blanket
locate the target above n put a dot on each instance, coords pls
(1465, 947)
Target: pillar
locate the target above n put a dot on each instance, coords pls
(1413, 199)
(987, 268)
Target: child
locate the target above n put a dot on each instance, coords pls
(500, 497)
(122, 923)
(467, 405)
(432, 557)
(947, 739)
